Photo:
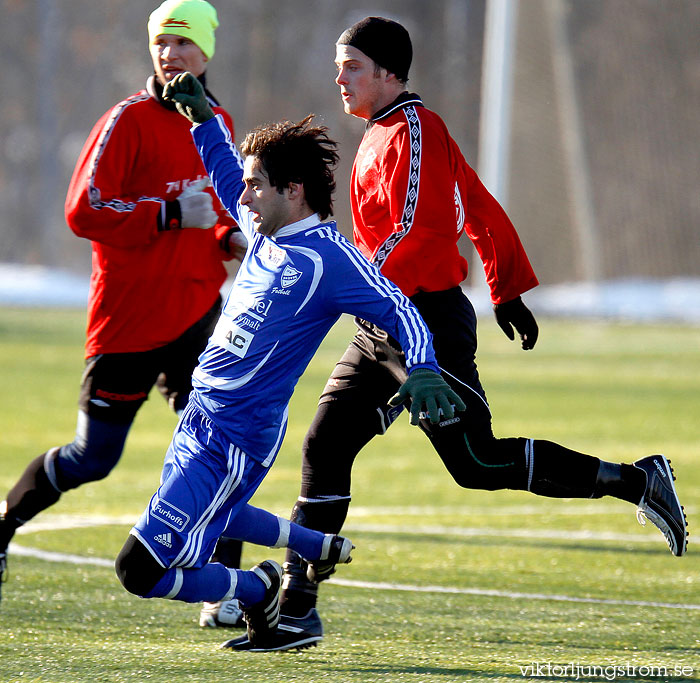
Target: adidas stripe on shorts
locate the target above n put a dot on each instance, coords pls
(205, 482)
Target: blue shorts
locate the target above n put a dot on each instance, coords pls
(206, 480)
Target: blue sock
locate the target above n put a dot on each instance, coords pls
(307, 542)
(249, 588)
(255, 525)
(209, 583)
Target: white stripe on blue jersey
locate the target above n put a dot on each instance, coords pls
(318, 272)
(289, 291)
(230, 385)
(416, 352)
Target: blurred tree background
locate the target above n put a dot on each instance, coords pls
(605, 115)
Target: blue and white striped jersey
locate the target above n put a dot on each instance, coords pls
(289, 291)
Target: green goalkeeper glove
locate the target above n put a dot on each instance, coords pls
(429, 393)
(187, 93)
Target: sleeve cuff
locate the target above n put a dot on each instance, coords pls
(423, 366)
(169, 216)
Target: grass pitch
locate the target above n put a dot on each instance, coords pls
(447, 584)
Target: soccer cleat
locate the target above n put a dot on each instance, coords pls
(660, 504)
(336, 550)
(3, 571)
(293, 633)
(262, 618)
(222, 614)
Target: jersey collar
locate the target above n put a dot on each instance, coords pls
(293, 228)
(403, 100)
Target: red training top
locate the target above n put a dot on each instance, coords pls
(413, 193)
(149, 283)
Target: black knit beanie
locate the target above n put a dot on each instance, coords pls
(384, 41)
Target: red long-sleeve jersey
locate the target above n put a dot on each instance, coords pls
(148, 284)
(412, 194)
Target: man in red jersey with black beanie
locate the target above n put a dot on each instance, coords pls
(412, 195)
(158, 252)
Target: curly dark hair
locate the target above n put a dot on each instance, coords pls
(297, 153)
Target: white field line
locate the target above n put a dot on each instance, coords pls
(57, 522)
(74, 521)
(583, 509)
(23, 551)
(48, 556)
(505, 594)
(532, 534)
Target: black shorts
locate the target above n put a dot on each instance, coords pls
(373, 366)
(115, 385)
(353, 407)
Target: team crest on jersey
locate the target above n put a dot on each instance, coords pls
(290, 276)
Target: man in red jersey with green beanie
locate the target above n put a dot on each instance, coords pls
(158, 252)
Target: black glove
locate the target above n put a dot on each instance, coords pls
(515, 313)
(187, 93)
(428, 392)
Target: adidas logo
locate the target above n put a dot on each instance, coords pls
(164, 539)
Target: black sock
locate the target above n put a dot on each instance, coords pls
(625, 482)
(29, 496)
(7, 531)
(299, 595)
(559, 472)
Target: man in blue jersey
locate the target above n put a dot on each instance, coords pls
(298, 276)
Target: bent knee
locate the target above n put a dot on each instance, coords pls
(70, 477)
(130, 577)
(92, 455)
(136, 568)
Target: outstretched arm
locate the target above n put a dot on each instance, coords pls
(359, 288)
(213, 140)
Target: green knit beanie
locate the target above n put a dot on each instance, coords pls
(193, 19)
